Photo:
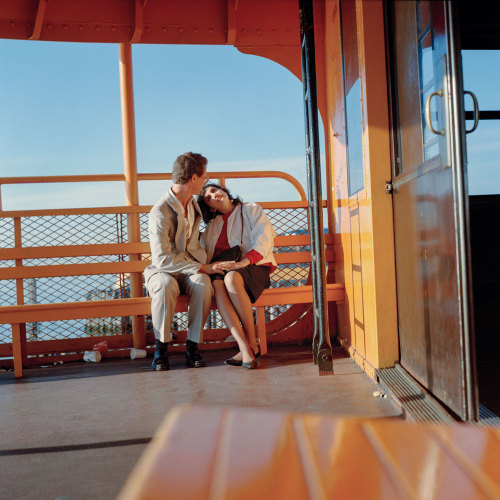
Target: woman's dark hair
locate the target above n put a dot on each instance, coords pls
(207, 213)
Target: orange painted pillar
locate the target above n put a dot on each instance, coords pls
(131, 184)
(19, 346)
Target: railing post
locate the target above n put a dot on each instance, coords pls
(19, 346)
(131, 184)
(322, 349)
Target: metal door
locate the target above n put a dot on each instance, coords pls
(429, 199)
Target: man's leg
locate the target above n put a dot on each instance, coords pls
(163, 290)
(200, 291)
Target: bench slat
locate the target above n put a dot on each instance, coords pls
(73, 250)
(9, 273)
(31, 313)
(120, 248)
(23, 272)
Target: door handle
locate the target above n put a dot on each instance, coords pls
(476, 111)
(428, 112)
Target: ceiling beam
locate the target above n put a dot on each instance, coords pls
(37, 25)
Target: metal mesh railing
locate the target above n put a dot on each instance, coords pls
(7, 233)
(56, 230)
(288, 220)
(78, 229)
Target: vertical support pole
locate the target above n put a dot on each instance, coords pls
(261, 329)
(18, 353)
(131, 184)
(19, 347)
(322, 349)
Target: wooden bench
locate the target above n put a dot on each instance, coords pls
(17, 316)
(248, 453)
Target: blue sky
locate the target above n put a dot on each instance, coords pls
(61, 116)
(482, 76)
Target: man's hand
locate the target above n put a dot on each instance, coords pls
(231, 265)
(211, 268)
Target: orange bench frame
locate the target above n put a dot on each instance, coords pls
(17, 316)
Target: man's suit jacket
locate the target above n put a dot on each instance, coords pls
(170, 252)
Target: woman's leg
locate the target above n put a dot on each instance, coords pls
(232, 321)
(235, 287)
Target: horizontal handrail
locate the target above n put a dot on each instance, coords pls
(237, 175)
(222, 176)
(128, 209)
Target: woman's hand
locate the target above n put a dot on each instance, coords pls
(213, 268)
(231, 265)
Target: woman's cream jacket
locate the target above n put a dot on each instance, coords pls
(258, 232)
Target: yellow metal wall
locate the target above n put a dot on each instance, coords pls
(364, 241)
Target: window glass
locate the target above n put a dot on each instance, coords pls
(352, 92)
(481, 71)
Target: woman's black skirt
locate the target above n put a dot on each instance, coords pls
(256, 279)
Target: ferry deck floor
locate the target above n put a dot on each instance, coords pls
(75, 431)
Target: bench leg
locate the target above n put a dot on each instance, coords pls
(261, 329)
(18, 348)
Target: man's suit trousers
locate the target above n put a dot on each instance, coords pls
(164, 289)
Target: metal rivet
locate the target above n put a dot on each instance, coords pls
(259, 32)
(146, 29)
(113, 28)
(180, 30)
(65, 26)
(12, 24)
(49, 26)
(97, 28)
(210, 30)
(243, 30)
(81, 27)
(195, 30)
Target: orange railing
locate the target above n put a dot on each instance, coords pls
(221, 176)
(81, 254)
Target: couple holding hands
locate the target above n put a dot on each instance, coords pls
(232, 259)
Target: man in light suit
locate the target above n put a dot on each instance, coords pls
(178, 262)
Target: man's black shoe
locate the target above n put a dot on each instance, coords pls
(160, 359)
(193, 356)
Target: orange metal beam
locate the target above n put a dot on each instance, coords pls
(252, 22)
(130, 164)
(237, 175)
(75, 211)
(62, 178)
(130, 176)
(40, 13)
(139, 21)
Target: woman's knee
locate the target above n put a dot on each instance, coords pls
(233, 281)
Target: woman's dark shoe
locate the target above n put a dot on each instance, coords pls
(160, 359)
(193, 356)
(233, 362)
(251, 365)
(256, 354)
